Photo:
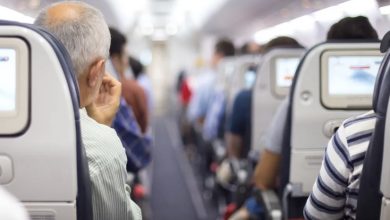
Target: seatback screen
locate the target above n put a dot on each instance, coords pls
(352, 75)
(348, 77)
(7, 80)
(250, 76)
(285, 70)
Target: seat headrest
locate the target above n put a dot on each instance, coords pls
(382, 84)
(63, 57)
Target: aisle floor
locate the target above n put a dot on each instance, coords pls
(175, 192)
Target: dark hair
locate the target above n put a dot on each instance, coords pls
(246, 48)
(352, 28)
(283, 41)
(118, 40)
(225, 47)
(136, 67)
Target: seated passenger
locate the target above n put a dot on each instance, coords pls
(10, 208)
(84, 33)
(266, 171)
(214, 116)
(132, 92)
(336, 189)
(131, 121)
(250, 48)
(203, 93)
(143, 79)
(238, 137)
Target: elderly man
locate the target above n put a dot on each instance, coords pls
(83, 31)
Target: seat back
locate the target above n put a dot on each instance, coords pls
(238, 80)
(318, 105)
(273, 80)
(385, 169)
(42, 159)
(374, 192)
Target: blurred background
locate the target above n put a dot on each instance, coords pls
(173, 36)
(180, 34)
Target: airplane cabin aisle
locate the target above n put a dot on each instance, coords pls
(175, 187)
(171, 196)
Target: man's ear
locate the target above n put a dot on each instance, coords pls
(95, 73)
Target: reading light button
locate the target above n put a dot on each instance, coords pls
(6, 171)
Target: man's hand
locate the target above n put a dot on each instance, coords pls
(106, 104)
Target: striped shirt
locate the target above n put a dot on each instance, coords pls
(336, 189)
(107, 168)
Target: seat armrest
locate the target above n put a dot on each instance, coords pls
(271, 204)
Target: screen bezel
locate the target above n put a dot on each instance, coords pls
(281, 91)
(15, 122)
(343, 101)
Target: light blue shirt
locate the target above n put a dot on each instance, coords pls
(202, 97)
(214, 115)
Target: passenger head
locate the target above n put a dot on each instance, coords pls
(250, 48)
(223, 48)
(352, 28)
(84, 33)
(281, 42)
(136, 67)
(118, 53)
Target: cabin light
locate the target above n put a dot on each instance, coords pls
(303, 21)
(385, 10)
(332, 13)
(147, 29)
(159, 35)
(12, 15)
(359, 7)
(171, 29)
(146, 57)
(265, 35)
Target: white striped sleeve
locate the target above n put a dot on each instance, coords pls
(327, 199)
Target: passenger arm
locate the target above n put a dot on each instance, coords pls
(267, 170)
(237, 127)
(143, 105)
(137, 145)
(234, 145)
(135, 97)
(105, 106)
(328, 198)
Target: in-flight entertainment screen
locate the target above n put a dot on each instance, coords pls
(7, 80)
(285, 70)
(352, 75)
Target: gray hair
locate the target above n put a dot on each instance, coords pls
(86, 37)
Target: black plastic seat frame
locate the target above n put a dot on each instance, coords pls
(370, 196)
